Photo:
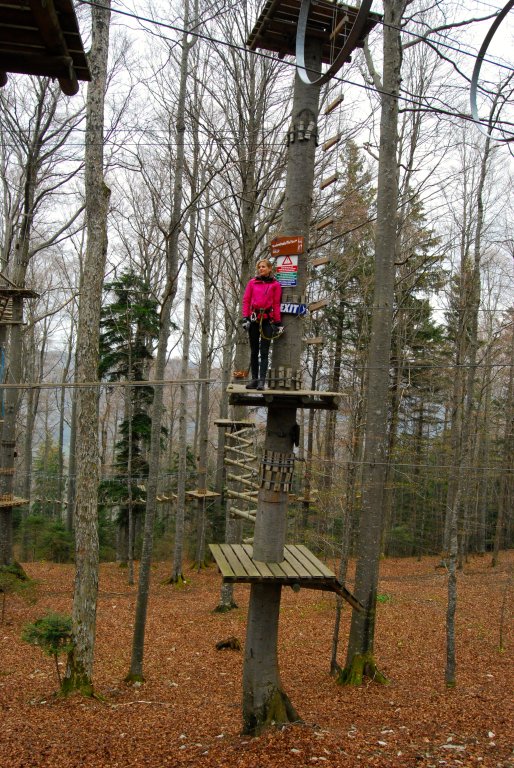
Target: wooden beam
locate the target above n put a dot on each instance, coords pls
(47, 21)
(339, 26)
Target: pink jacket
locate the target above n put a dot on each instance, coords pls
(263, 294)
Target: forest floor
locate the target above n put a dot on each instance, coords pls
(188, 712)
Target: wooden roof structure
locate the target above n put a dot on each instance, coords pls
(331, 22)
(41, 37)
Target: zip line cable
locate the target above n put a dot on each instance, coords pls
(410, 366)
(216, 41)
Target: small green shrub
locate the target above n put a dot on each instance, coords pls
(52, 633)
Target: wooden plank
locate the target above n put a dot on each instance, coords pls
(319, 565)
(289, 571)
(236, 565)
(313, 567)
(314, 340)
(337, 29)
(202, 494)
(262, 567)
(277, 571)
(221, 561)
(246, 560)
(301, 571)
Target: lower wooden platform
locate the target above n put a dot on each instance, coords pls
(299, 568)
(294, 398)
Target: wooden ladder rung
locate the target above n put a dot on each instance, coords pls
(334, 104)
(318, 305)
(325, 223)
(320, 261)
(329, 143)
(328, 181)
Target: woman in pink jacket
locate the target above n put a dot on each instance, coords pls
(261, 311)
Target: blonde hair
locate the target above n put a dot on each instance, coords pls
(269, 263)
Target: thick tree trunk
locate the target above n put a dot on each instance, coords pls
(79, 669)
(264, 700)
(359, 658)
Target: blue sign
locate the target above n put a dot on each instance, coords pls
(294, 309)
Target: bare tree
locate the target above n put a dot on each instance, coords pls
(79, 669)
(360, 659)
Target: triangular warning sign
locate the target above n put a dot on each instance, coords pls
(287, 261)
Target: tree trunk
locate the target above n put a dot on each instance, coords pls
(359, 659)
(177, 576)
(138, 639)
(62, 406)
(143, 588)
(506, 484)
(203, 429)
(264, 699)
(80, 661)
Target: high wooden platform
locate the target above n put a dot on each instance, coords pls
(294, 398)
(42, 38)
(299, 568)
(275, 29)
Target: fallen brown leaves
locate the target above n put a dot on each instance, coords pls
(188, 712)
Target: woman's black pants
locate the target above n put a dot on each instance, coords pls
(259, 348)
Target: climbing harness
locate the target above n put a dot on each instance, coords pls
(276, 330)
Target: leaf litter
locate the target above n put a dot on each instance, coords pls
(188, 711)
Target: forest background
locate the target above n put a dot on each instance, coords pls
(194, 154)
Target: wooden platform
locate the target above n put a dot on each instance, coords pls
(294, 398)
(202, 494)
(7, 501)
(275, 29)
(299, 568)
